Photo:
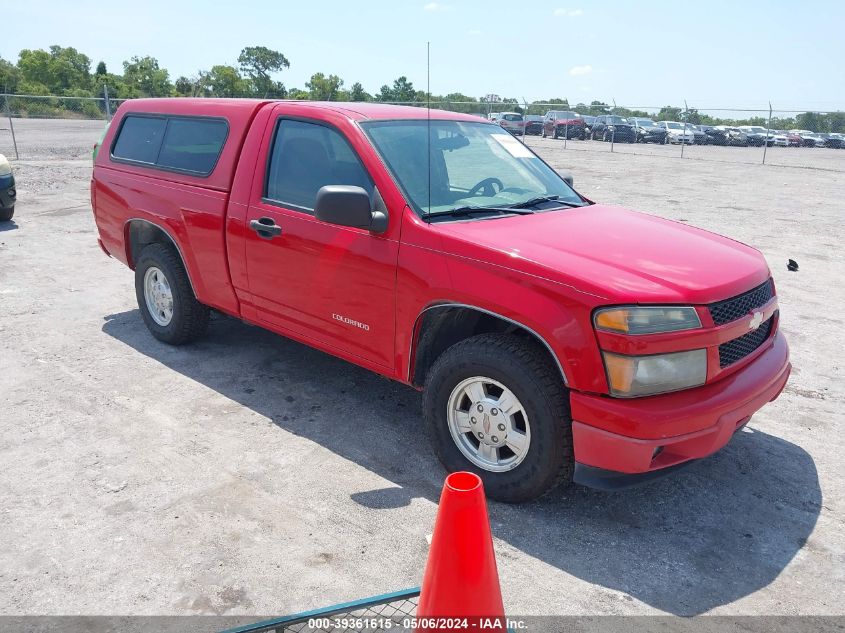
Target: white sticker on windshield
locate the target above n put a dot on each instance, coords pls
(514, 147)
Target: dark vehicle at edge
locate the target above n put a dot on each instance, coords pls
(647, 131)
(8, 195)
(715, 136)
(533, 124)
(612, 127)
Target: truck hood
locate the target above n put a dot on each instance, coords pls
(615, 254)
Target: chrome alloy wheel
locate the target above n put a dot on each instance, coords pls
(158, 296)
(488, 424)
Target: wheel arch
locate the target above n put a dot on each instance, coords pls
(439, 326)
(139, 232)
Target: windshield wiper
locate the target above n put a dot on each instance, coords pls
(533, 202)
(469, 210)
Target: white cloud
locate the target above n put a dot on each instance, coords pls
(432, 6)
(568, 13)
(580, 70)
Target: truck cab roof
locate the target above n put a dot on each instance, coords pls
(358, 111)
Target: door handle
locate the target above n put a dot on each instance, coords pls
(265, 227)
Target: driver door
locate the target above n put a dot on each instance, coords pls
(331, 284)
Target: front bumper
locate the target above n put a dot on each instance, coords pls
(647, 437)
(689, 139)
(8, 194)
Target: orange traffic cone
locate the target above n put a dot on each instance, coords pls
(461, 580)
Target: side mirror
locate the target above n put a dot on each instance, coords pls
(347, 205)
(567, 177)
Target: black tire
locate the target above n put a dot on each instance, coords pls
(523, 367)
(190, 317)
(6, 214)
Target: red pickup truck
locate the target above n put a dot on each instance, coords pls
(555, 339)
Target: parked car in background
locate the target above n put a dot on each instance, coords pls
(820, 139)
(757, 135)
(588, 123)
(8, 194)
(835, 140)
(511, 121)
(699, 135)
(647, 131)
(715, 135)
(793, 139)
(734, 136)
(677, 132)
(611, 127)
(779, 139)
(533, 124)
(807, 138)
(560, 123)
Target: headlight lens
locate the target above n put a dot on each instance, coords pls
(647, 319)
(630, 376)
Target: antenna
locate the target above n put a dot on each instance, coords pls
(428, 114)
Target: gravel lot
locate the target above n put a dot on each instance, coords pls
(249, 474)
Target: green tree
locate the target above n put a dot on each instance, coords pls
(598, 107)
(226, 81)
(402, 90)
(57, 70)
(184, 87)
(144, 75)
(101, 69)
(298, 94)
(34, 69)
(258, 63)
(322, 88)
(545, 105)
(9, 76)
(457, 102)
(809, 121)
(357, 93)
(668, 113)
(836, 122)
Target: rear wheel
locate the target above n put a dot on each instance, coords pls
(495, 405)
(6, 214)
(168, 306)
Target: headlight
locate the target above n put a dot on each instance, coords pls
(647, 319)
(630, 376)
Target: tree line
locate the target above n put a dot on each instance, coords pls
(66, 72)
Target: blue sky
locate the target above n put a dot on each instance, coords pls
(713, 54)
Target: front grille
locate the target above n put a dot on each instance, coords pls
(742, 305)
(739, 348)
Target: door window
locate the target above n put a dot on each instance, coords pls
(308, 156)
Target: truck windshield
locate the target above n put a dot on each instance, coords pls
(471, 165)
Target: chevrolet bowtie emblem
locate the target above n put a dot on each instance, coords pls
(756, 321)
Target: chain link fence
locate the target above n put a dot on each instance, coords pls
(793, 137)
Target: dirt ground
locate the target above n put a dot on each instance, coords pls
(250, 474)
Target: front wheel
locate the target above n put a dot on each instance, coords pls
(167, 303)
(495, 405)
